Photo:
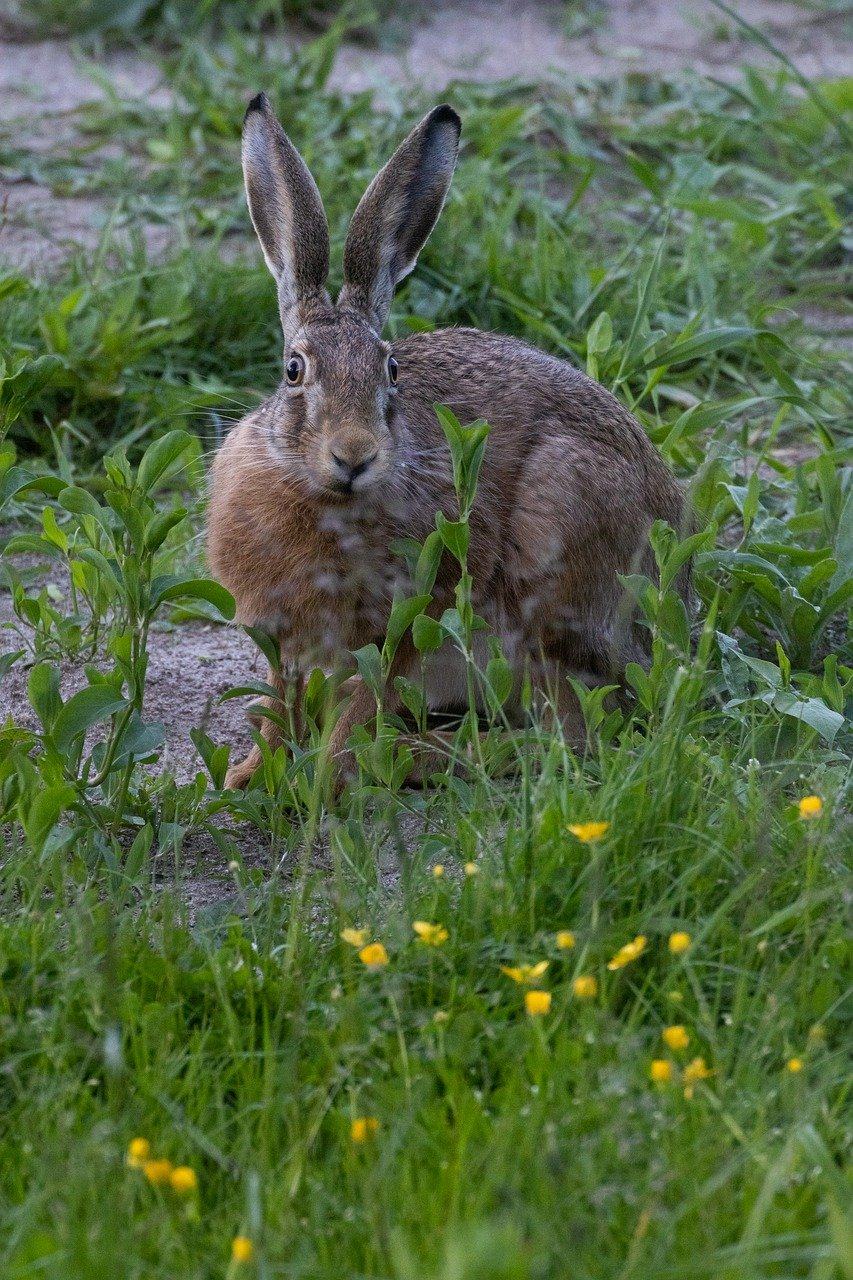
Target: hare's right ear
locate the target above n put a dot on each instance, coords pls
(396, 214)
(287, 213)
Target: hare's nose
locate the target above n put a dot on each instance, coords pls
(349, 470)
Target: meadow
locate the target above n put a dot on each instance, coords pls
(555, 1014)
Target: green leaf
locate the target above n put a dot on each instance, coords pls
(811, 711)
(174, 587)
(268, 645)
(844, 546)
(455, 535)
(599, 338)
(427, 634)
(215, 758)
(160, 526)
(81, 503)
(84, 709)
(18, 480)
(403, 614)
(164, 457)
(44, 813)
(44, 695)
(369, 666)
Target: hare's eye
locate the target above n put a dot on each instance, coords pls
(392, 370)
(295, 370)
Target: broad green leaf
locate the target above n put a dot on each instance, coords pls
(403, 614)
(83, 710)
(164, 457)
(427, 634)
(44, 695)
(174, 587)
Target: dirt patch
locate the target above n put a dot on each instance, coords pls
(42, 83)
(493, 39)
(189, 667)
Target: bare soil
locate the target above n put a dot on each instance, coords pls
(42, 83)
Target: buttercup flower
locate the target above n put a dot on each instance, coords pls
(183, 1179)
(565, 939)
(629, 952)
(660, 1071)
(158, 1172)
(138, 1151)
(589, 832)
(363, 1127)
(438, 870)
(432, 934)
(373, 955)
(679, 942)
(355, 937)
(537, 1003)
(795, 1064)
(585, 986)
(472, 869)
(525, 973)
(242, 1249)
(810, 807)
(694, 1071)
(675, 1037)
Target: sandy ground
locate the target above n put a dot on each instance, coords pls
(190, 667)
(42, 83)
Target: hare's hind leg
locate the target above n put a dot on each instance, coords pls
(240, 774)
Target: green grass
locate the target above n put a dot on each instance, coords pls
(670, 235)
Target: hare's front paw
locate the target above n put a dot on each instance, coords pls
(239, 775)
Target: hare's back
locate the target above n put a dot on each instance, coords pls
(525, 394)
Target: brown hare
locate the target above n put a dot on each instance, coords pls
(310, 492)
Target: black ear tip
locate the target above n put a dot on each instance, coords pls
(446, 115)
(260, 102)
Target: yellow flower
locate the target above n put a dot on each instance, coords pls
(472, 869)
(675, 1037)
(363, 1127)
(660, 1071)
(432, 934)
(138, 1151)
(373, 955)
(441, 1015)
(158, 1172)
(525, 973)
(585, 986)
(438, 870)
(589, 832)
(537, 1003)
(355, 937)
(679, 942)
(810, 807)
(242, 1249)
(694, 1071)
(629, 952)
(795, 1064)
(183, 1180)
(565, 939)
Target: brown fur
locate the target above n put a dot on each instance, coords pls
(569, 487)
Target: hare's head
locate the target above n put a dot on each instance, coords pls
(334, 418)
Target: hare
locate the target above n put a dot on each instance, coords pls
(310, 492)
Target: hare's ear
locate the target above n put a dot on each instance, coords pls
(396, 214)
(287, 213)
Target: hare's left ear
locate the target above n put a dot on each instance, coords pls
(396, 214)
(287, 213)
